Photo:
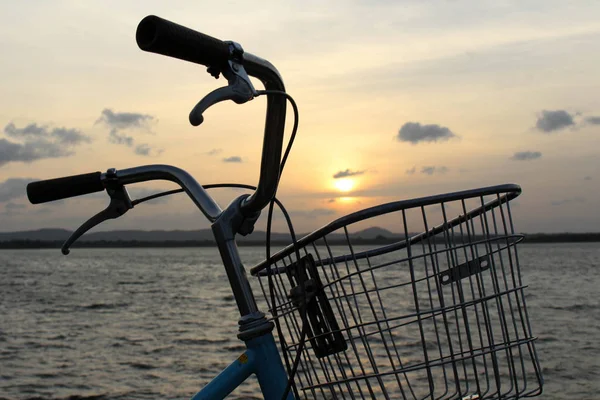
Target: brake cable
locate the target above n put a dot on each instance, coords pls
(303, 309)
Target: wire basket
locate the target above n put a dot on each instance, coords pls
(437, 312)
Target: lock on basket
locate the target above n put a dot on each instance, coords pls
(435, 311)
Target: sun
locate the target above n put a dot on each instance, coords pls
(344, 185)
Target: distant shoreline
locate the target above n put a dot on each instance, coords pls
(56, 244)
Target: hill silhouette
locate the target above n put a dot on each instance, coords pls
(53, 238)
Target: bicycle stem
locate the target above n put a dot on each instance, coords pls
(224, 230)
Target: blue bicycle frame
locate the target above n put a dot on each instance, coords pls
(262, 359)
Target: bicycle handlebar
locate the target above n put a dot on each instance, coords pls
(160, 36)
(71, 186)
(194, 190)
(62, 188)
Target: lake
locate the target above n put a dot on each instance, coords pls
(160, 323)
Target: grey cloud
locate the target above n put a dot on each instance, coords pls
(587, 178)
(551, 121)
(29, 130)
(346, 173)
(70, 136)
(121, 121)
(117, 138)
(526, 155)
(63, 135)
(568, 201)
(214, 152)
(331, 201)
(593, 120)
(38, 142)
(430, 170)
(411, 171)
(124, 120)
(145, 149)
(233, 159)
(142, 149)
(13, 188)
(414, 132)
(31, 151)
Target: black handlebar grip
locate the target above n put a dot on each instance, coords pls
(164, 37)
(62, 188)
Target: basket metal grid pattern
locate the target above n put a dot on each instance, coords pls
(438, 314)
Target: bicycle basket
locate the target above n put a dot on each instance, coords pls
(436, 312)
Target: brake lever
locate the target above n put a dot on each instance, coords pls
(119, 204)
(239, 88)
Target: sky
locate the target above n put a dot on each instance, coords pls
(398, 99)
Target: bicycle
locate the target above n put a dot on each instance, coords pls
(345, 317)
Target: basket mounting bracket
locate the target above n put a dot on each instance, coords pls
(307, 291)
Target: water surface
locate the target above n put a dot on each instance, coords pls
(160, 323)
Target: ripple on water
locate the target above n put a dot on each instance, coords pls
(127, 323)
(103, 306)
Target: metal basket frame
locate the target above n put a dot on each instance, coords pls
(469, 326)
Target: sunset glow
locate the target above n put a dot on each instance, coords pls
(344, 185)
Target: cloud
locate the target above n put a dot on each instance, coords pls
(551, 121)
(14, 188)
(214, 152)
(117, 138)
(331, 201)
(38, 142)
(30, 151)
(430, 170)
(593, 120)
(587, 178)
(526, 155)
(414, 132)
(126, 121)
(29, 130)
(346, 173)
(411, 171)
(142, 149)
(233, 159)
(70, 136)
(568, 201)
(145, 149)
(61, 135)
